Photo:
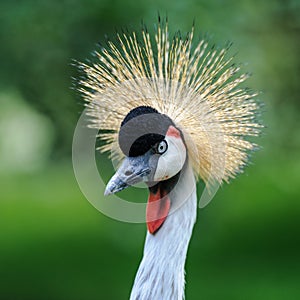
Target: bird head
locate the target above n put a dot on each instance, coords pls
(166, 101)
(155, 153)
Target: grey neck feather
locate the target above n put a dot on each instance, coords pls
(161, 272)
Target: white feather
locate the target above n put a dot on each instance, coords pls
(172, 161)
(161, 273)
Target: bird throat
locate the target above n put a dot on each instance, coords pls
(159, 203)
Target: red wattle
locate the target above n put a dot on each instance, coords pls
(157, 210)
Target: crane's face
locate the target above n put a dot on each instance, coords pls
(155, 153)
(161, 162)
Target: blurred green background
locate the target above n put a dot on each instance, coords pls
(54, 244)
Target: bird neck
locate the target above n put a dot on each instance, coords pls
(161, 272)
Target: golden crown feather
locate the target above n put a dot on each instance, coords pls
(196, 86)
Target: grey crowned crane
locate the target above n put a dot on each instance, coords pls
(173, 112)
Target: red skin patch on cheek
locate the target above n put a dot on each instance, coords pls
(172, 131)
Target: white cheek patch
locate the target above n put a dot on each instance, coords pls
(172, 161)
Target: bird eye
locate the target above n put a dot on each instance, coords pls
(161, 147)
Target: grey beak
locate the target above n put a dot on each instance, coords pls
(133, 170)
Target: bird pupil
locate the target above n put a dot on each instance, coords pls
(162, 147)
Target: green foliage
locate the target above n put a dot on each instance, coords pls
(54, 244)
(39, 40)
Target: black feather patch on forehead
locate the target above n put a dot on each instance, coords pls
(141, 129)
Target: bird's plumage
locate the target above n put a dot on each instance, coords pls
(161, 271)
(196, 86)
(176, 111)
